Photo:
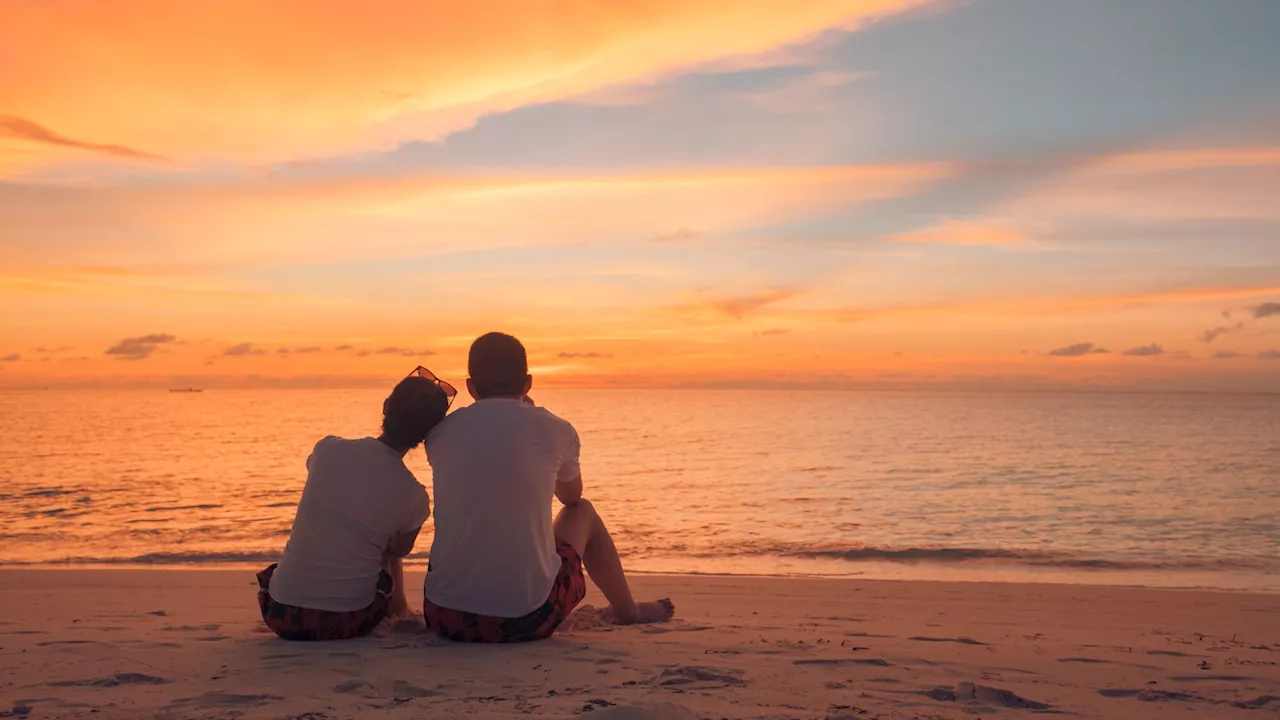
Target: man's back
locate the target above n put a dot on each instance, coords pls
(496, 465)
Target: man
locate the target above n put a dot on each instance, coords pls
(360, 513)
(501, 570)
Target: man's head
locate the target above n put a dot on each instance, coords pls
(498, 367)
(412, 410)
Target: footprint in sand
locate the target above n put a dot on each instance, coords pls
(959, 640)
(878, 662)
(113, 681)
(351, 686)
(226, 700)
(191, 628)
(1151, 695)
(967, 692)
(403, 688)
(656, 711)
(689, 674)
(1098, 661)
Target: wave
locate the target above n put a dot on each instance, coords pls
(162, 558)
(959, 555)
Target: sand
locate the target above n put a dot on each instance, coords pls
(188, 644)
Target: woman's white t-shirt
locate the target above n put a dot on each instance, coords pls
(358, 495)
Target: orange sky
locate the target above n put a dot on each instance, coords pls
(854, 193)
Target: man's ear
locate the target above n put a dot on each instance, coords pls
(471, 388)
(528, 384)
(384, 406)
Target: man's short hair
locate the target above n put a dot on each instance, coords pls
(412, 410)
(498, 366)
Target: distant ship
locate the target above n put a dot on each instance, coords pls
(186, 390)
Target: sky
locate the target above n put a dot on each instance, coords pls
(992, 194)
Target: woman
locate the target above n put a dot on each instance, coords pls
(361, 510)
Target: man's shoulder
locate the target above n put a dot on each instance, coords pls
(554, 419)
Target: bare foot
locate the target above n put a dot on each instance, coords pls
(646, 612)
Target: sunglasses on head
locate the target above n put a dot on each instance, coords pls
(449, 391)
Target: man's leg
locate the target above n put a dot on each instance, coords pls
(580, 525)
(399, 604)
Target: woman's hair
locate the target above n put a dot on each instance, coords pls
(412, 410)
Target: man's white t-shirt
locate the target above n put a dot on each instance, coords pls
(358, 495)
(495, 466)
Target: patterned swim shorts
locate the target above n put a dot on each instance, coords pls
(569, 590)
(297, 623)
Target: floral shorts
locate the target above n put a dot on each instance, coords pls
(569, 590)
(298, 623)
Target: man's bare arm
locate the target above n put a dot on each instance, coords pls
(569, 492)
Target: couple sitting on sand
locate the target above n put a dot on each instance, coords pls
(500, 570)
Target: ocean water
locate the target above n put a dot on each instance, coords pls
(1153, 489)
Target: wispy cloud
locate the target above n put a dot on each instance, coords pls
(15, 357)
(740, 306)
(1226, 355)
(344, 348)
(584, 355)
(1078, 350)
(1214, 333)
(1145, 351)
(243, 350)
(1266, 310)
(298, 351)
(403, 352)
(954, 232)
(432, 71)
(139, 348)
(683, 235)
(21, 129)
(774, 331)
(1269, 355)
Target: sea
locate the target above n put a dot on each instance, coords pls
(1171, 490)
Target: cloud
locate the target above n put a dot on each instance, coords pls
(584, 355)
(371, 80)
(139, 348)
(1078, 350)
(1226, 355)
(21, 129)
(344, 348)
(1266, 310)
(1145, 351)
(242, 350)
(740, 306)
(1214, 333)
(953, 232)
(402, 352)
(15, 357)
(774, 331)
(298, 351)
(683, 235)
(1269, 355)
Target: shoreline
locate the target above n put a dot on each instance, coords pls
(128, 643)
(974, 577)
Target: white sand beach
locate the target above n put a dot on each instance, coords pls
(89, 643)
